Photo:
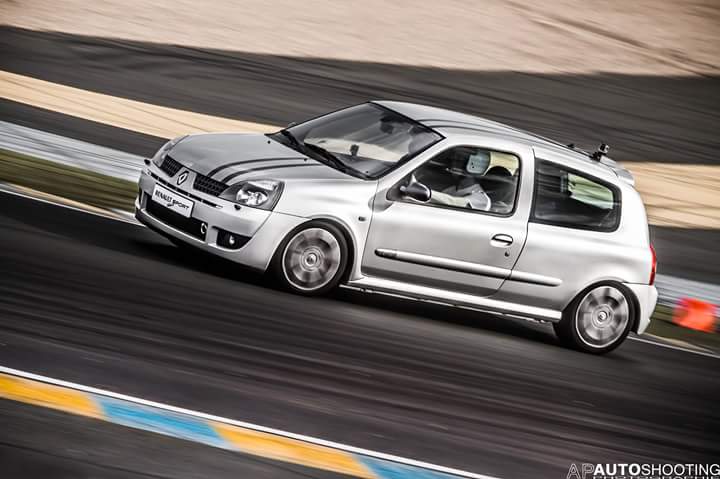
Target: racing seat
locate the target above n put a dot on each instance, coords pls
(500, 186)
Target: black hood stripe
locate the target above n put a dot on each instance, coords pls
(239, 173)
(244, 162)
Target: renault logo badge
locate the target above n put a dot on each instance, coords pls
(183, 176)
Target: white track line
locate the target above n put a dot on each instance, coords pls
(633, 338)
(676, 348)
(247, 425)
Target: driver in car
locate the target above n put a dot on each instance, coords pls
(465, 190)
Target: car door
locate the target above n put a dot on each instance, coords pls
(572, 240)
(458, 241)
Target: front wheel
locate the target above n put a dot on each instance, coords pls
(312, 258)
(598, 320)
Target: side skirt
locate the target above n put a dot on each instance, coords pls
(451, 298)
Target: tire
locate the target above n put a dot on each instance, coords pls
(312, 259)
(598, 320)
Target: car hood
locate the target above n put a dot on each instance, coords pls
(233, 157)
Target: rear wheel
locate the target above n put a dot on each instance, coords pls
(312, 258)
(598, 320)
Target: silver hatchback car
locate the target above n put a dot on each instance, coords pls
(420, 202)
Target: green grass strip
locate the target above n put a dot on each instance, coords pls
(67, 181)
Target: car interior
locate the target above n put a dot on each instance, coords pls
(466, 172)
(568, 199)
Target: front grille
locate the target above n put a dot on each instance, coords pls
(180, 190)
(208, 185)
(170, 166)
(191, 226)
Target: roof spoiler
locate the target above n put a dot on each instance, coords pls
(600, 156)
(621, 172)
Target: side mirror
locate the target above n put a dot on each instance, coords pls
(416, 191)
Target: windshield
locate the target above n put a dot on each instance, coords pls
(367, 140)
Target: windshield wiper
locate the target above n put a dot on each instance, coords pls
(325, 154)
(293, 141)
(334, 160)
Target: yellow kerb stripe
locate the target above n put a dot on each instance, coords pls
(290, 450)
(120, 112)
(40, 394)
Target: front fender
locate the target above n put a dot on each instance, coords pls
(346, 203)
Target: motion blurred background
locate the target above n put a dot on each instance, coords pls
(643, 76)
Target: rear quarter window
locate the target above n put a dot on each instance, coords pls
(572, 199)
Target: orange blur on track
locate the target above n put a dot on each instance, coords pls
(695, 314)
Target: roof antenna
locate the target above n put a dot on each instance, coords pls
(601, 151)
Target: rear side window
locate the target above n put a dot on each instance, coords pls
(569, 198)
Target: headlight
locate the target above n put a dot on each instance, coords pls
(262, 194)
(163, 151)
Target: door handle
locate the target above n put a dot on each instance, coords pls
(501, 240)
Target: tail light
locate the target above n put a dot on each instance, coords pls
(653, 270)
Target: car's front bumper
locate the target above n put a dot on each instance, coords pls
(647, 297)
(265, 229)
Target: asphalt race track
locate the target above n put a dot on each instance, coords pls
(111, 305)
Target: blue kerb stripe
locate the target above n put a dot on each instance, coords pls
(392, 470)
(186, 427)
(159, 421)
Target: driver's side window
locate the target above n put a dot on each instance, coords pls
(468, 177)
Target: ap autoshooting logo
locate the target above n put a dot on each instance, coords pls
(643, 471)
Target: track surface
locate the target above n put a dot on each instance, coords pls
(111, 305)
